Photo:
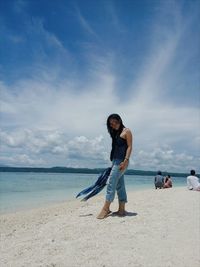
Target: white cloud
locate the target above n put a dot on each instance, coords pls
(52, 145)
(165, 159)
(90, 149)
(53, 148)
(21, 160)
(34, 141)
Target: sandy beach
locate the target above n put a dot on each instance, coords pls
(161, 229)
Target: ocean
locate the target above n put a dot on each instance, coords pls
(22, 190)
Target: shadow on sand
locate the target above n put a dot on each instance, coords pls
(127, 214)
(86, 215)
(113, 214)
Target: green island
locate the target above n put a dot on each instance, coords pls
(82, 170)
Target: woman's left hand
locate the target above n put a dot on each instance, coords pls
(123, 165)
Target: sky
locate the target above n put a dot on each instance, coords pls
(65, 66)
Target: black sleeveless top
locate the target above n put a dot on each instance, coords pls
(119, 147)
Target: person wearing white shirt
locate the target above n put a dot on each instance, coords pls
(193, 181)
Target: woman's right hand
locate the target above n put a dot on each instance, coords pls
(123, 165)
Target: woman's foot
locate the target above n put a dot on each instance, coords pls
(121, 211)
(103, 214)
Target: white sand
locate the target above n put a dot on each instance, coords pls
(165, 232)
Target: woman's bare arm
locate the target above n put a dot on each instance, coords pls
(129, 140)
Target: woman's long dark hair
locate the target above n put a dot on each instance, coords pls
(114, 133)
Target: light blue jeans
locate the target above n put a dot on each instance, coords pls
(116, 183)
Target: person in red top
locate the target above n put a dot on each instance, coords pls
(167, 182)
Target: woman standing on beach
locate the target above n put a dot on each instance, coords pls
(120, 154)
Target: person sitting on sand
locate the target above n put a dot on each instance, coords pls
(193, 181)
(120, 154)
(167, 182)
(159, 180)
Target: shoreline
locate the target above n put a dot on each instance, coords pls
(46, 204)
(161, 229)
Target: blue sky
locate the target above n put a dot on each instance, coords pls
(66, 65)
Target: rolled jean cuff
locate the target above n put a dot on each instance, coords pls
(123, 200)
(109, 199)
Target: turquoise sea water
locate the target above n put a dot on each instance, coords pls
(22, 190)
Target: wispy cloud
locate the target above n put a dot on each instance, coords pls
(19, 6)
(114, 17)
(17, 39)
(35, 28)
(84, 23)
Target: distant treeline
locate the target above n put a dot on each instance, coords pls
(82, 170)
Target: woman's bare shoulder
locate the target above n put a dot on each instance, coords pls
(127, 130)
